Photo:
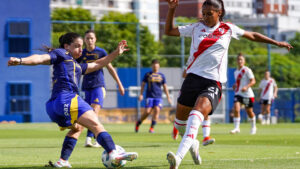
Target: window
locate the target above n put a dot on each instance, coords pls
(283, 37)
(18, 97)
(18, 38)
(110, 3)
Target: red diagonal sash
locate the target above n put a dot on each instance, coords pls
(209, 41)
(238, 79)
(267, 87)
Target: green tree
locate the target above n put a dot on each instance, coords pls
(69, 14)
(295, 42)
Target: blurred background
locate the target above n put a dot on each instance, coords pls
(27, 25)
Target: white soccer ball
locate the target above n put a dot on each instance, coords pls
(107, 161)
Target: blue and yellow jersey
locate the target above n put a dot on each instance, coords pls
(154, 82)
(94, 79)
(66, 72)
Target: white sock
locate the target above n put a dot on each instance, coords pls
(180, 125)
(268, 118)
(236, 121)
(193, 123)
(206, 128)
(253, 122)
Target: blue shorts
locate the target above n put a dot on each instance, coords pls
(95, 96)
(152, 102)
(66, 108)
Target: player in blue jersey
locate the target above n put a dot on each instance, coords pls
(154, 80)
(66, 107)
(93, 84)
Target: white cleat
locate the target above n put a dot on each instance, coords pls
(62, 164)
(173, 160)
(235, 131)
(96, 145)
(88, 142)
(253, 131)
(128, 156)
(194, 150)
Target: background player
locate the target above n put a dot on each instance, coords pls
(244, 80)
(154, 80)
(93, 84)
(268, 92)
(206, 68)
(66, 107)
(207, 140)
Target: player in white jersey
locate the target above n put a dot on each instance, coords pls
(243, 94)
(206, 70)
(207, 140)
(268, 92)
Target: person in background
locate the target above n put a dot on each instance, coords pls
(154, 80)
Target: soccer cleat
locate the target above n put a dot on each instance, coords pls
(173, 160)
(128, 156)
(175, 134)
(96, 145)
(207, 140)
(235, 131)
(62, 164)
(88, 142)
(151, 130)
(253, 131)
(136, 127)
(194, 150)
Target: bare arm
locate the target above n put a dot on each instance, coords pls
(275, 91)
(170, 29)
(257, 37)
(142, 91)
(30, 60)
(167, 93)
(250, 84)
(114, 74)
(100, 63)
(184, 73)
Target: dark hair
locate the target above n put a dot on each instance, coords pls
(89, 31)
(68, 38)
(154, 61)
(218, 4)
(240, 54)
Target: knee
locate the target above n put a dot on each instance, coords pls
(180, 125)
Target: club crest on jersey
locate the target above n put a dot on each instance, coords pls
(221, 30)
(203, 30)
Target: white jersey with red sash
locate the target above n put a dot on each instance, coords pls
(209, 48)
(267, 87)
(242, 78)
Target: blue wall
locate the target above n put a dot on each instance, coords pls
(39, 76)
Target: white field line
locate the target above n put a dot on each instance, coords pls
(98, 162)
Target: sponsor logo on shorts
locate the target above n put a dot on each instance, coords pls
(66, 109)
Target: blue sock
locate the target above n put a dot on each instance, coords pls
(153, 123)
(68, 146)
(105, 140)
(90, 134)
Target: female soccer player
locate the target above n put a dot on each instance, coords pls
(93, 84)
(268, 92)
(154, 80)
(66, 107)
(206, 69)
(243, 94)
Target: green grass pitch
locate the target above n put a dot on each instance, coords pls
(26, 146)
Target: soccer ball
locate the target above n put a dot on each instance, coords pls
(107, 161)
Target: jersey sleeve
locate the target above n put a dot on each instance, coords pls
(83, 67)
(250, 74)
(145, 79)
(56, 56)
(186, 30)
(275, 84)
(163, 79)
(236, 32)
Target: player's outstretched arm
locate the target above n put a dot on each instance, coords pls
(170, 29)
(114, 74)
(257, 37)
(30, 60)
(100, 63)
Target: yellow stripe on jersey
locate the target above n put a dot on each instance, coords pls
(104, 92)
(74, 109)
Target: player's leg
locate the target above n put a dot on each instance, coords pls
(236, 118)
(206, 132)
(146, 113)
(264, 113)
(95, 98)
(68, 146)
(268, 113)
(157, 105)
(90, 121)
(251, 115)
(182, 113)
